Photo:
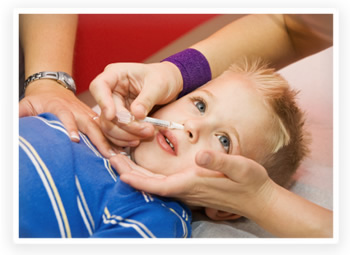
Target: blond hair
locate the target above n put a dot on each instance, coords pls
(289, 144)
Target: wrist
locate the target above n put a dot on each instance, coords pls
(62, 78)
(194, 69)
(263, 202)
(285, 214)
(43, 86)
(174, 73)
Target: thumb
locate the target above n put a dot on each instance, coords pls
(144, 102)
(236, 167)
(217, 161)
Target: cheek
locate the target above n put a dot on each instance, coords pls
(145, 155)
(150, 158)
(171, 111)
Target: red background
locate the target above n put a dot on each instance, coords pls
(108, 38)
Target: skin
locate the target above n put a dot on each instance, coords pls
(48, 45)
(43, 39)
(233, 110)
(247, 190)
(295, 37)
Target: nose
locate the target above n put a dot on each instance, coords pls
(192, 128)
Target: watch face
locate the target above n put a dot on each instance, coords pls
(69, 80)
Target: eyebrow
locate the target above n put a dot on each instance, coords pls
(231, 128)
(211, 95)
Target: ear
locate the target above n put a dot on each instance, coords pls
(220, 215)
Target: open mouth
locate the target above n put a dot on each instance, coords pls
(167, 141)
(170, 144)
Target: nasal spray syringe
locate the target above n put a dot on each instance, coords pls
(126, 117)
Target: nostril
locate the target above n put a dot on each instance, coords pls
(190, 134)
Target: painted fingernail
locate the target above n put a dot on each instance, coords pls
(75, 136)
(112, 153)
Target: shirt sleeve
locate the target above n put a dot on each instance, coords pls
(147, 221)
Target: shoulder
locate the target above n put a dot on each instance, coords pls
(45, 126)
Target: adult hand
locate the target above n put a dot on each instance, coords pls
(47, 96)
(137, 88)
(225, 182)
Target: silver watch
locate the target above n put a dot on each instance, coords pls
(61, 77)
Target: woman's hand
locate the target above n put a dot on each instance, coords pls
(135, 88)
(237, 185)
(225, 182)
(48, 96)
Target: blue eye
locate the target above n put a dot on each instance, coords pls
(200, 106)
(225, 141)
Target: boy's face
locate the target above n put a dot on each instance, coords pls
(227, 115)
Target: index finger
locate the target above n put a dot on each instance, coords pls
(101, 89)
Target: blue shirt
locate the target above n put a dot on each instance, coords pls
(68, 189)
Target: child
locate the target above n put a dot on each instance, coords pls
(248, 110)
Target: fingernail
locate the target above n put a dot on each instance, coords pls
(133, 143)
(140, 109)
(112, 153)
(75, 136)
(204, 159)
(146, 131)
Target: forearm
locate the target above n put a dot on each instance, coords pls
(279, 39)
(289, 215)
(48, 42)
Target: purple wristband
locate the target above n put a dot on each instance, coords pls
(194, 68)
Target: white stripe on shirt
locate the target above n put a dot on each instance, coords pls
(50, 187)
(184, 226)
(138, 226)
(84, 203)
(54, 124)
(105, 161)
(83, 215)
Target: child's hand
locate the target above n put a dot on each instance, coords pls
(136, 88)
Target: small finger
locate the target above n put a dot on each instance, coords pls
(159, 186)
(123, 165)
(119, 163)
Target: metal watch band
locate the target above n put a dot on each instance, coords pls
(62, 78)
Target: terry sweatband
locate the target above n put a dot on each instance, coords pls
(194, 68)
